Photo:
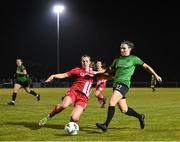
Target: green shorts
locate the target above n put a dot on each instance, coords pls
(23, 84)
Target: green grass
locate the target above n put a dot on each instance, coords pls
(162, 110)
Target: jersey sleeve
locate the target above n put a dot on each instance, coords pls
(23, 68)
(138, 61)
(113, 66)
(20, 68)
(74, 71)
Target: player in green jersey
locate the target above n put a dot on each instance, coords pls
(22, 80)
(124, 67)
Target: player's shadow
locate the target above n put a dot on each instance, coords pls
(90, 130)
(123, 128)
(34, 125)
(95, 130)
(98, 131)
(54, 126)
(87, 129)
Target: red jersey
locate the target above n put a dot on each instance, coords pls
(83, 83)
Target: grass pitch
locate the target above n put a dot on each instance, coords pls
(161, 108)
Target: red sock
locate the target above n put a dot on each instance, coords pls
(55, 111)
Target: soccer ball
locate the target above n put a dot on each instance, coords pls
(71, 128)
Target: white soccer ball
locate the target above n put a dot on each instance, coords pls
(71, 128)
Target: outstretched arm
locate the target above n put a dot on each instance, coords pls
(107, 74)
(102, 71)
(110, 70)
(149, 69)
(24, 72)
(59, 76)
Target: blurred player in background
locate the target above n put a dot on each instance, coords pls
(22, 80)
(124, 67)
(78, 94)
(100, 85)
(153, 82)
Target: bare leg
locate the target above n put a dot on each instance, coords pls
(57, 109)
(67, 101)
(76, 113)
(123, 105)
(100, 98)
(131, 112)
(115, 98)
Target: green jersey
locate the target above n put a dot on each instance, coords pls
(124, 67)
(20, 77)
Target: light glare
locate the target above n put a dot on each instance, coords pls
(58, 8)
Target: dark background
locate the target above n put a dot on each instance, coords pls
(93, 27)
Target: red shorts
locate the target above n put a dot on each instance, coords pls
(78, 98)
(100, 87)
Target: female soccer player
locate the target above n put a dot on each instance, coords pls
(22, 80)
(100, 85)
(78, 93)
(124, 67)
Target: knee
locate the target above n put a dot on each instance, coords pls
(112, 103)
(61, 106)
(96, 94)
(124, 110)
(64, 106)
(74, 118)
(15, 90)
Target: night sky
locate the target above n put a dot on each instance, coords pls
(93, 27)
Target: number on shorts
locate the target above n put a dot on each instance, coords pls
(118, 87)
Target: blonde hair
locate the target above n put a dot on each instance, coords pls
(86, 56)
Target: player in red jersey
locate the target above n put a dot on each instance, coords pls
(78, 93)
(100, 85)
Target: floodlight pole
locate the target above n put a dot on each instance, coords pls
(58, 47)
(58, 9)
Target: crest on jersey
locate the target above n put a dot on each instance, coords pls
(82, 74)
